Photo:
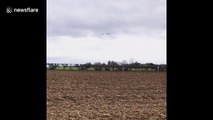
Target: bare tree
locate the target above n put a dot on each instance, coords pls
(53, 66)
(64, 65)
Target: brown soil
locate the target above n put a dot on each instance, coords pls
(90, 95)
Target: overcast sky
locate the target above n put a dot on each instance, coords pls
(81, 31)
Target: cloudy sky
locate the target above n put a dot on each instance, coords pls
(80, 31)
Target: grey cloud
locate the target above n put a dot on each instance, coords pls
(62, 59)
(77, 18)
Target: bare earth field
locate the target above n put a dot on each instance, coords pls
(92, 95)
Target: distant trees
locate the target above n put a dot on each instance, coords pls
(97, 66)
(52, 66)
(64, 65)
(136, 66)
(111, 66)
(85, 66)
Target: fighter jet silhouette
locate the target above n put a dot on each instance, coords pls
(105, 33)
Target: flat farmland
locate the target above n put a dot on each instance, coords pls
(92, 95)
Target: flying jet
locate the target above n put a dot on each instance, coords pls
(105, 33)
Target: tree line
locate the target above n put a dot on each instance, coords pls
(110, 66)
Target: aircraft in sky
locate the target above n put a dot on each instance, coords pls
(105, 33)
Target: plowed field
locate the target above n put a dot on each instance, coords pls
(91, 95)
